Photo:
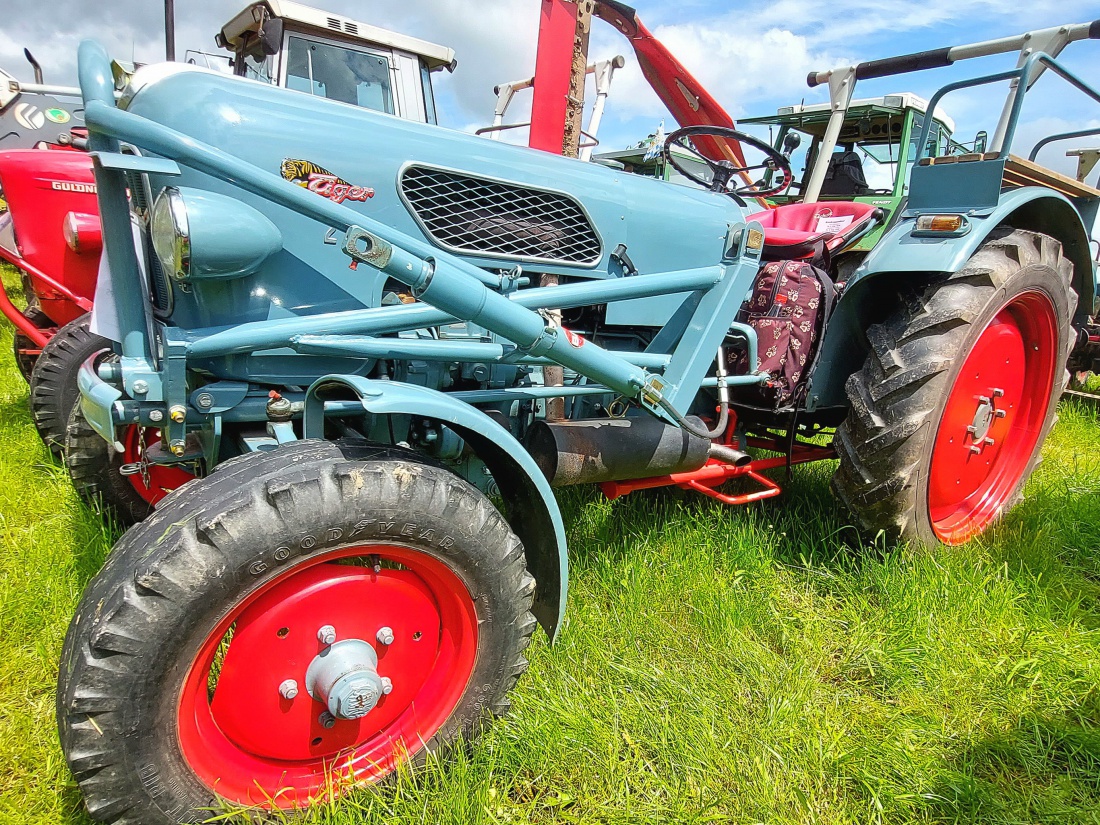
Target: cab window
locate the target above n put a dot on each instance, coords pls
(253, 63)
(337, 73)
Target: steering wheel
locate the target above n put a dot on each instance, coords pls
(723, 171)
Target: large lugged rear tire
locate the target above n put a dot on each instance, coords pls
(53, 380)
(958, 393)
(173, 691)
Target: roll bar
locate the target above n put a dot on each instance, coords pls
(842, 80)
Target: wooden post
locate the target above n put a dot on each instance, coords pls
(574, 103)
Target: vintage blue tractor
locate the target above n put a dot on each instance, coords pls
(340, 321)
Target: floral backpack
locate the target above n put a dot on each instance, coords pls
(790, 304)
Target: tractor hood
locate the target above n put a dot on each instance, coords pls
(496, 205)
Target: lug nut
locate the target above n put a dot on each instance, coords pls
(1000, 413)
(983, 399)
(326, 719)
(975, 449)
(326, 635)
(177, 448)
(387, 686)
(178, 413)
(997, 392)
(988, 441)
(141, 387)
(384, 636)
(156, 415)
(288, 689)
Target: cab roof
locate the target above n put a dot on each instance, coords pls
(814, 116)
(316, 21)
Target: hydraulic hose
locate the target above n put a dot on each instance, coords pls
(723, 405)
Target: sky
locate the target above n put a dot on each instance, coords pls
(752, 56)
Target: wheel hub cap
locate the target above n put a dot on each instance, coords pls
(984, 417)
(344, 677)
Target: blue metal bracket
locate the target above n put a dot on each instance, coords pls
(713, 317)
(135, 163)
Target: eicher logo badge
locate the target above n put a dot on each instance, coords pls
(317, 179)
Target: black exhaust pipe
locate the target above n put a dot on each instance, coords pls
(34, 65)
(589, 451)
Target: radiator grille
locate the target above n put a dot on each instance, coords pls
(485, 217)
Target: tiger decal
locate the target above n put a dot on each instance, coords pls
(317, 179)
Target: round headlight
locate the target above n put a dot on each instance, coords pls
(171, 238)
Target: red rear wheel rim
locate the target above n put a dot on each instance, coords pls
(993, 418)
(253, 747)
(159, 479)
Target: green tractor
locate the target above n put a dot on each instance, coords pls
(871, 158)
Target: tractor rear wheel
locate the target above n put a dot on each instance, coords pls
(302, 621)
(959, 390)
(53, 380)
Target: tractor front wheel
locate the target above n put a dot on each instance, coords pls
(948, 415)
(53, 379)
(300, 622)
(122, 482)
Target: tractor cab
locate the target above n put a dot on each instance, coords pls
(326, 55)
(873, 152)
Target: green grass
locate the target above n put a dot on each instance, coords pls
(762, 664)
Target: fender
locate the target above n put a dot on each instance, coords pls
(532, 511)
(899, 258)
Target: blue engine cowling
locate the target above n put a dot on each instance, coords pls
(496, 205)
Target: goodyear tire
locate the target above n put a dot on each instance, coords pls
(958, 393)
(171, 699)
(53, 380)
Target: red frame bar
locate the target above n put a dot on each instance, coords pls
(12, 313)
(715, 473)
(553, 68)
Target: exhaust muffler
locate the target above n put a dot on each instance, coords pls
(593, 450)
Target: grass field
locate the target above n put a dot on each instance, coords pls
(763, 664)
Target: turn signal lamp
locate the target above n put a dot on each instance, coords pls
(941, 223)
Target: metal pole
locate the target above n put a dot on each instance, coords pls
(841, 85)
(604, 71)
(169, 30)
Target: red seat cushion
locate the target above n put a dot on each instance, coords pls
(798, 230)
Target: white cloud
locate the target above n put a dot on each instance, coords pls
(752, 56)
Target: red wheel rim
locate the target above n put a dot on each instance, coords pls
(157, 480)
(254, 747)
(993, 418)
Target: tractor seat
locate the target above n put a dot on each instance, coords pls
(811, 231)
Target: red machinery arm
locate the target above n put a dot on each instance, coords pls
(682, 94)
